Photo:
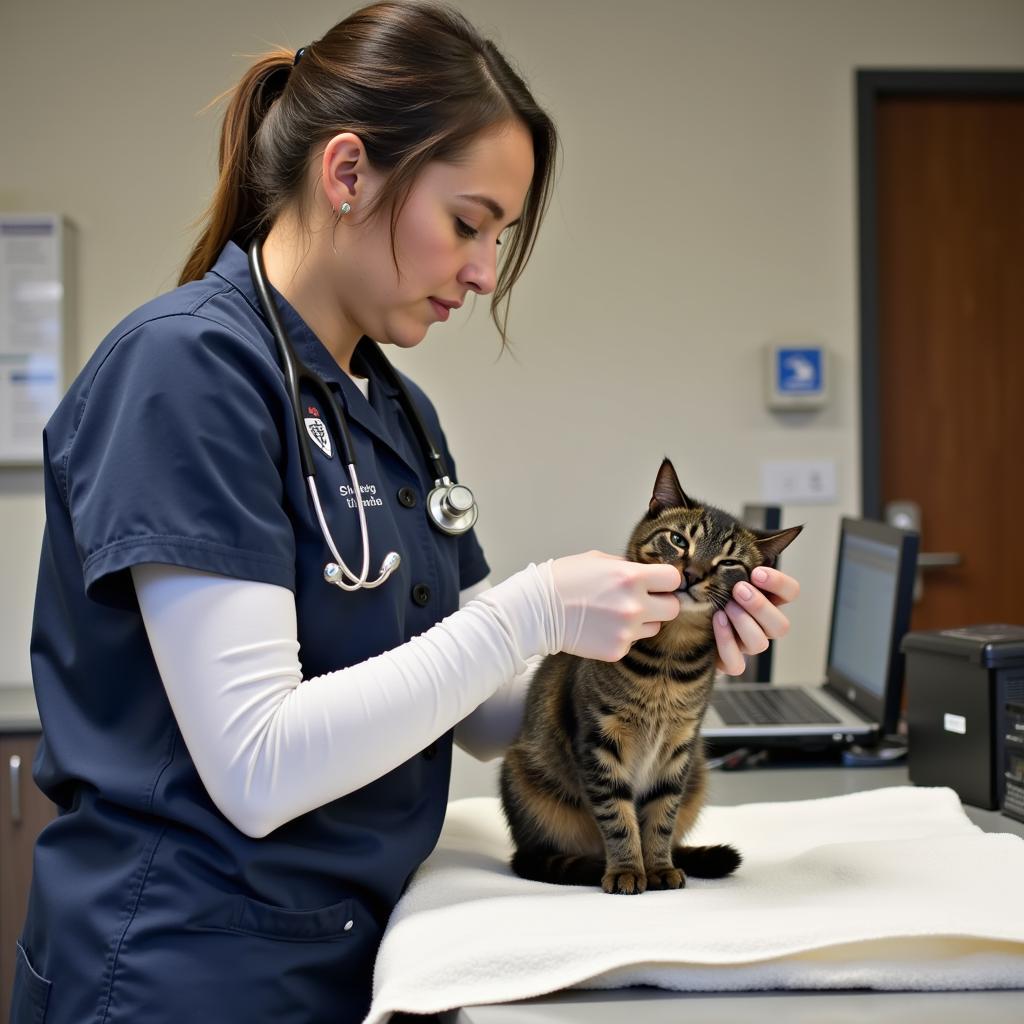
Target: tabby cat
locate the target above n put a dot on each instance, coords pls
(608, 773)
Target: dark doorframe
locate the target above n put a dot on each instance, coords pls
(872, 86)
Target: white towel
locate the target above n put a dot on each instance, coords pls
(886, 889)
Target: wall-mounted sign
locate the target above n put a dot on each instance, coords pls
(796, 376)
(34, 329)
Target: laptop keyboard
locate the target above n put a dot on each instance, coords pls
(775, 706)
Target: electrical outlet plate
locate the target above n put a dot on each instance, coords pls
(799, 481)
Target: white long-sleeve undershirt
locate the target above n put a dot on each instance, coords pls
(270, 746)
(487, 732)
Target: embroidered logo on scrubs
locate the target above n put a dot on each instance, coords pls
(317, 430)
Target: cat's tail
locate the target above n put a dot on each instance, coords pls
(540, 865)
(560, 868)
(706, 861)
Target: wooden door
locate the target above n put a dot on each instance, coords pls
(949, 189)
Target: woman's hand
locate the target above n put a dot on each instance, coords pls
(753, 618)
(610, 603)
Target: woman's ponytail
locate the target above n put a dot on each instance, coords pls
(237, 206)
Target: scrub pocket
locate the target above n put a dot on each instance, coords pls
(251, 917)
(31, 992)
(287, 966)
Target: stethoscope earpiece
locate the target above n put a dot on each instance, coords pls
(334, 574)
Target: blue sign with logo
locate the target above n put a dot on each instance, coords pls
(799, 371)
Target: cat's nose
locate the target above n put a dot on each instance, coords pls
(692, 577)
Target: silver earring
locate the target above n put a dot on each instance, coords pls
(343, 208)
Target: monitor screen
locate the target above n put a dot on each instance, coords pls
(862, 621)
(762, 517)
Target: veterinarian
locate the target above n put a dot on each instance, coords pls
(248, 651)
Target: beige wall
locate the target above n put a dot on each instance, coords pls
(706, 205)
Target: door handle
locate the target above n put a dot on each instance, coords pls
(938, 559)
(14, 766)
(907, 516)
(932, 560)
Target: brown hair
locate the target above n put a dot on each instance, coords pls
(415, 81)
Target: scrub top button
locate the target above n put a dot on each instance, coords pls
(407, 497)
(421, 594)
(430, 752)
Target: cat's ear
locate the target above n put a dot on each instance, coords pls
(771, 543)
(667, 492)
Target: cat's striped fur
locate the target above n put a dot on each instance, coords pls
(608, 774)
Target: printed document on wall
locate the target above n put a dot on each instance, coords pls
(33, 321)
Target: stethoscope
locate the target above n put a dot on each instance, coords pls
(450, 506)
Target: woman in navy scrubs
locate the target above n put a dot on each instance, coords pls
(249, 763)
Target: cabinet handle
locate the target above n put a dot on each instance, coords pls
(15, 767)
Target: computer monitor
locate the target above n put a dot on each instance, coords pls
(872, 604)
(760, 517)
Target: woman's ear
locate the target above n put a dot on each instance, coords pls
(344, 170)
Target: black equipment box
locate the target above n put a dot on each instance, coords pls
(1013, 801)
(959, 682)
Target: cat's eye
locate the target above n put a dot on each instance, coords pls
(678, 539)
(728, 562)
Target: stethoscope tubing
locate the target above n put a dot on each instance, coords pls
(450, 515)
(295, 372)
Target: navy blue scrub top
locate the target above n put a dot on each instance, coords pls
(176, 445)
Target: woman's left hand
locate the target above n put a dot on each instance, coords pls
(753, 618)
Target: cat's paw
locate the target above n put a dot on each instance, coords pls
(629, 883)
(666, 878)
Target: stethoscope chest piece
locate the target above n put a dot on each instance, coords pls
(452, 507)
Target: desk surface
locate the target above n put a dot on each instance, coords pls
(655, 1006)
(18, 709)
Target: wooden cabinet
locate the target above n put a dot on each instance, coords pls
(23, 813)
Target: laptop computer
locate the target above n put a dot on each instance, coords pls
(860, 697)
